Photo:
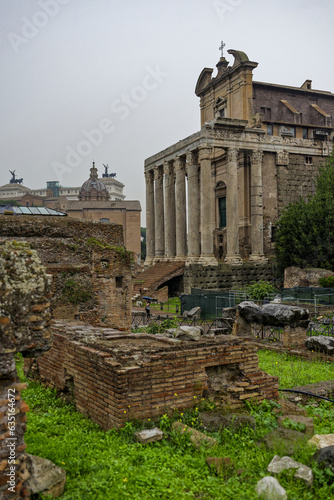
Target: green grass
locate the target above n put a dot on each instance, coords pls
(112, 466)
(293, 371)
(168, 307)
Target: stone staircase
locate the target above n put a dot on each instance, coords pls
(149, 280)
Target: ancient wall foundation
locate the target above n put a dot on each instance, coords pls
(225, 277)
(92, 275)
(114, 378)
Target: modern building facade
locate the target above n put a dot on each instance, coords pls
(216, 195)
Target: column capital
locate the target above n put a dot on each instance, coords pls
(149, 176)
(257, 156)
(190, 158)
(232, 154)
(204, 153)
(158, 172)
(167, 168)
(179, 163)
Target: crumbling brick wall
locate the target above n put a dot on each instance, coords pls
(115, 378)
(82, 256)
(25, 291)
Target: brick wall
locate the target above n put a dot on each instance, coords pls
(119, 378)
(61, 243)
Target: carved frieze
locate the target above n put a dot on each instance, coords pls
(282, 158)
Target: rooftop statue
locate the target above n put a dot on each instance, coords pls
(14, 180)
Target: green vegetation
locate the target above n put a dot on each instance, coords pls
(259, 290)
(305, 231)
(173, 305)
(327, 282)
(112, 466)
(293, 371)
(74, 292)
(121, 251)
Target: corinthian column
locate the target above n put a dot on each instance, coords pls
(180, 202)
(193, 208)
(150, 229)
(159, 213)
(170, 222)
(207, 208)
(232, 211)
(256, 207)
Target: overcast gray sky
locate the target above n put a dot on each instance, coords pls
(114, 80)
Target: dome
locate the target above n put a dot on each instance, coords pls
(93, 189)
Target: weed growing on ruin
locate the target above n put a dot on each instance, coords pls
(121, 251)
(74, 292)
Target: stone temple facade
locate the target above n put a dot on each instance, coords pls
(217, 195)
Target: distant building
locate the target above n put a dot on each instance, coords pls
(99, 198)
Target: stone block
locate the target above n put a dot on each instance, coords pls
(303, 472)
(45, 477)
(196, 437)
(149, 435)
(308, 421)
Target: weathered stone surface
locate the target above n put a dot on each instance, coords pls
(303, 472)
(268, 488)
(250, 311)
(188, 333)
(149, 435)
(274, 314)
(283, 441)
(308, 421)
(24, 284)
(294, 276)
(217, 420)
(46, 477)
(25, 317)
(196, 437)
(325, 457)
(320, 344)
(322, 440)
(289, 408)
(195, 311)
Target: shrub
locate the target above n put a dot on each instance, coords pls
(260, 290)
(327, 281)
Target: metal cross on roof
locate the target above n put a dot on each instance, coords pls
(222, 45)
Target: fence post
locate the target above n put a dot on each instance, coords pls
(315, 304)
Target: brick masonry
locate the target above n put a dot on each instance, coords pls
(114, 378)
(88, 253)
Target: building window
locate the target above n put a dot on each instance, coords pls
(119, 281)
(269, 129)
(222, 211)
(308, 160)
(222, 112)
(266, 113)
(305, 133)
